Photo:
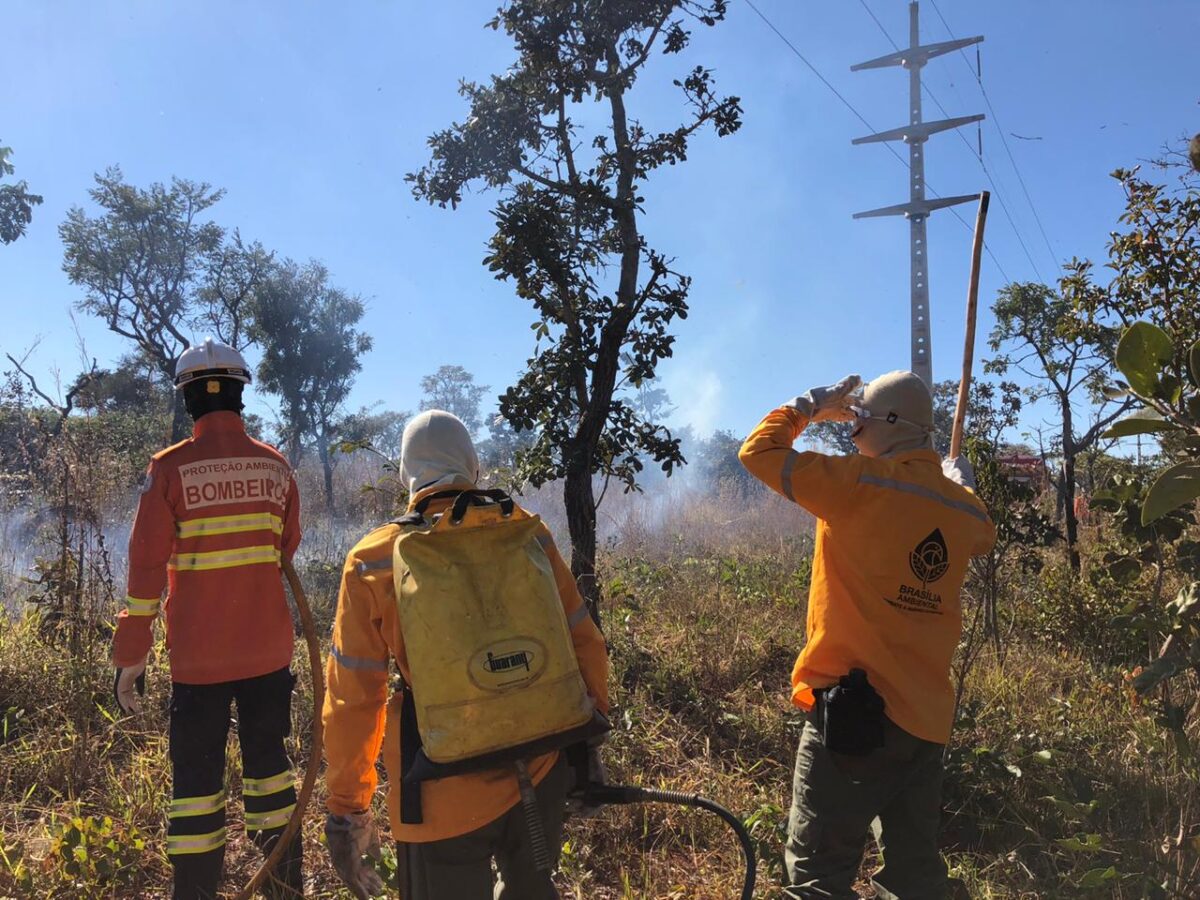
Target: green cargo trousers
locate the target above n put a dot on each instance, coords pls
(460, 868)
(895, 791)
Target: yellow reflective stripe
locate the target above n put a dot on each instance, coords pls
(197, 806)
(225, 559)
(275, 819)
(261, 787)
(229, 525)
(180, 844)
(139, 606)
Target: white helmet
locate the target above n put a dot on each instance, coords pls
(210, 359)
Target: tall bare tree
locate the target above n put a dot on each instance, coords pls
(568, 232)
(156, 272)
(453, 389)
(311, 355)
(1067, 362)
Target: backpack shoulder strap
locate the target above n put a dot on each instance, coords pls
(412, 518)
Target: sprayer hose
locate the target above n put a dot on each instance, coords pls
(623, 794)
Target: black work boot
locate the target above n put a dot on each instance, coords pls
(197, 875)
(286, 881)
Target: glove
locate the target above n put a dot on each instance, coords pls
(349, 837)
(959, 471)
(827, 404)
(577, 806)
(124, 682)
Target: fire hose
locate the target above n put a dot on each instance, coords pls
(314, 753)
(619, 795)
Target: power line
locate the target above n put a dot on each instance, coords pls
(850, 106)
(978, 155)
(870, 13)
(814, 69)
(1003, 139)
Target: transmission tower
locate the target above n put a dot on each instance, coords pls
(917, 209)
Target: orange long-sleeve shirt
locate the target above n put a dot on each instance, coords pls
(217, 514)
(360, 719)
(894, 537)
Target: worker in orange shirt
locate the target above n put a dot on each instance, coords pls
(895, 530)
(449, 835)
(218, 512)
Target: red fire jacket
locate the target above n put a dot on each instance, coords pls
(218, 513)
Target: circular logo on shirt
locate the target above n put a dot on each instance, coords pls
(931, 558)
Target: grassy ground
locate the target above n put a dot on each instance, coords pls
(1057, 784)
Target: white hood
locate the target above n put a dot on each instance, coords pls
(437, 450)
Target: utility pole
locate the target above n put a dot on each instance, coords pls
(917, 209)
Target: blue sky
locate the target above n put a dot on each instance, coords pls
(309, 114)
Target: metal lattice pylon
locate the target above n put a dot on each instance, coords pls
(917, 209)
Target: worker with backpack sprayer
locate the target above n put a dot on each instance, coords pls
(501, 668)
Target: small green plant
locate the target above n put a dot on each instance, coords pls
(1162, 373)
(94, 855)
(768, 827)
(15, 874)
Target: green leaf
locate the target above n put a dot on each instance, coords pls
(1095, 878)
(1186, 602)
(1194, 364)
(1177, 486)
(1043, 756)
(1142, 353)
(1084, 843)
(1147, 421)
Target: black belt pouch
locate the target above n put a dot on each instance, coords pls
(850, 715)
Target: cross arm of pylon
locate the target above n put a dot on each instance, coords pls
(918, 131)
(916, 56)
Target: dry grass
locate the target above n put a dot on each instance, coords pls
(705, 611)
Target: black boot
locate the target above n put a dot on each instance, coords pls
(197, 875)
(286, 881)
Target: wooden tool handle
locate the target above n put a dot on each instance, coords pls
(964, 386)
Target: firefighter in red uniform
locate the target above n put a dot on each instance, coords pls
(218, 513)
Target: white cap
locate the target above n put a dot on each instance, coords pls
(210, 359)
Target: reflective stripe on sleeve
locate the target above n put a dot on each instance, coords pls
(578, 616)
(141, 606)
(918, 490)
(191, 528)
(181, 844)
(359, 662)
(182, 807)
(262, 787)
(364, 567)
(785, 476)
(225, 559)
(276, 818)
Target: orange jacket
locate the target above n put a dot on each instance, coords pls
(360, 719)
(894, 537)
(217, 514)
